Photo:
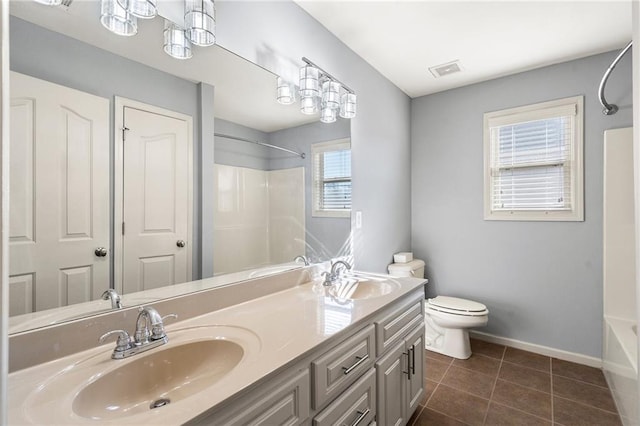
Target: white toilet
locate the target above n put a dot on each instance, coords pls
(447, 319)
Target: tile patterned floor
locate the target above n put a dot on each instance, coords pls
(501, 385)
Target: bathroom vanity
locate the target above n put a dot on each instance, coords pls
(305, 354)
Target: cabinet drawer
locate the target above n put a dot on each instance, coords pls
(394, 326)
(334, 371)
(357, 406)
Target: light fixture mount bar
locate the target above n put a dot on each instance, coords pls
(344, 86)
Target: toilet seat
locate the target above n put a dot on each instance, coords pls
(456, 306)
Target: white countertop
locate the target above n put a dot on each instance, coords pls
(275, 330)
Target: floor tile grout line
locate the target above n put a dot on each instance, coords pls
(521, 411)
(588, 405)
(582, 381)
(493, 388)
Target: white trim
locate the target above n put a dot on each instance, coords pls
(5, 119)
(120, 104)
(539, 349)
(527, 113)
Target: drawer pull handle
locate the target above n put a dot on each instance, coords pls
(413, 359)
(362, 415)
(408, 372)
(360, 360)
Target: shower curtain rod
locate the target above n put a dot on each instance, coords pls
(299, 154)
(610, 109)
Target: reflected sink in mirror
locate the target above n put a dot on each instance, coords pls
(95, 387)
(359, 287)
(157, 379)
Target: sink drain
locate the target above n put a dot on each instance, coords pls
(159, 403)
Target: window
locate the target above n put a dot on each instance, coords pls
(332, 178)
(533, 162)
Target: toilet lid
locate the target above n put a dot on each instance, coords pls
(456, 305)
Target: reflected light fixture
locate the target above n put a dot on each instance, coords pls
(144, 9)
(200, 22)
(176, 43)
(334, 99)
(116, 19)
(286, 92)
(49, 2)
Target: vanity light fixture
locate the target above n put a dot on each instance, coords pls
(197, 23)
(176, 43)
(144, 9)
(334, 99)
(286, 92)
(116, 19)
(200, 22)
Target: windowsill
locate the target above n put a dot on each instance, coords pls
(536, 216)
(331, 213)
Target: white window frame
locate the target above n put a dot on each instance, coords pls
(533, 112)
(316, 149)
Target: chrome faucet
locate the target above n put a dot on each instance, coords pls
(334, 275)
(148, 335)
(111, 294)
(303, 258)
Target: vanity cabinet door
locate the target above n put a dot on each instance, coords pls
(392, 328)
(391, 378)
(415, 387)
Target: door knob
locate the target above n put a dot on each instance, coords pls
(181, 243)
(101, 252)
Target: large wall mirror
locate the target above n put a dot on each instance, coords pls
(114, 182)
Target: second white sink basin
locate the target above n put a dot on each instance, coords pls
(355, 288)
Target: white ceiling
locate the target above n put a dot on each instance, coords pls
(402, 39)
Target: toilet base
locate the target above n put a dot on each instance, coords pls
(453, 342)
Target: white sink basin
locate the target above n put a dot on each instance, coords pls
(98, 388)
(157, 378)
(356, 288)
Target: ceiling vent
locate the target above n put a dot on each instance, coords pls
(446, 69)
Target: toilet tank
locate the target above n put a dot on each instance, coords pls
(415, 268)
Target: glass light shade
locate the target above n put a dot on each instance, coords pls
(331, 94)
(200, 22)
(348, 105)
(309, 82)
(309, 105)
(49, 2)
(286, 94)
(328, 115)
(117, 20)
(145, 9)
(176, 43)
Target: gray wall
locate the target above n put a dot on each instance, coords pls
(51, 56)
(542, 281)
(232, 152)
(277, 35)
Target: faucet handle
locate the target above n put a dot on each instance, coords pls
(174, 316)
(123, 342)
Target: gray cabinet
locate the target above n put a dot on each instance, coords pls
(400, 379)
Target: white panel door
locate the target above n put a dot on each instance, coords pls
(156, 198)
(59, 195)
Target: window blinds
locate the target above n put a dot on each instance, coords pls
(334, 180)
(531, 160)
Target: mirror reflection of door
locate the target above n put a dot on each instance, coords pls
(156, 196)
(58, 196)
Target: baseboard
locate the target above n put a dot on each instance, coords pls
(539, 349)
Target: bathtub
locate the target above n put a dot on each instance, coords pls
(621, 367)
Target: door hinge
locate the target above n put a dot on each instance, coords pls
(122, 228)
(124, 129)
